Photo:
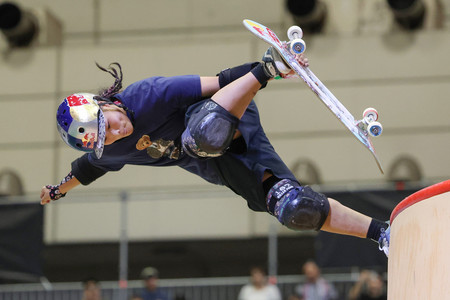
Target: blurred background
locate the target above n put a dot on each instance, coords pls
(389, 54)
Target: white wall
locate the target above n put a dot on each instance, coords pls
(361, 59)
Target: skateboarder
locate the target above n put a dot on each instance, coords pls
(208, 126)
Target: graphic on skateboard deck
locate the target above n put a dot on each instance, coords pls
(361, 129)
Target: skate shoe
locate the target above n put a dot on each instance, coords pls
(384, 240)
(274, 65)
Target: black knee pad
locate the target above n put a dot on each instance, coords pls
(297, 207)
(210, 131)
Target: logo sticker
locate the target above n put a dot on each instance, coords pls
(76, 100)
(143, 143)
(88, 140)
(159, 148)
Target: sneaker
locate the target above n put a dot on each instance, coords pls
(274, 64)
(384, 240)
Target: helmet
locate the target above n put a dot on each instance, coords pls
(81, 123)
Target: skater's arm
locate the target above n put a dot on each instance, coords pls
(83, 172)
(69, 185)
(51, 192)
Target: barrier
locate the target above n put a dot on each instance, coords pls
(221, 288)
(419, 254)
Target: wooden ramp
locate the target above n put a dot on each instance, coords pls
(419, 254)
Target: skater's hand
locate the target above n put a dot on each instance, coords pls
(45, 195)
(49, 193)
(303, 60)
(55, 192)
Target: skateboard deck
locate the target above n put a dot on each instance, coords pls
(357, 127)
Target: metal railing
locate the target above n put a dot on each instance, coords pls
(226, 288)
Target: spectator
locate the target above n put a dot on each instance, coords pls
(136, 297)
(91, 289)
(370, 286)
(316, 287)
(151, 290)
(258, 288)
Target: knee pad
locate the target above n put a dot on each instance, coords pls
(209, 132)
(297, 207)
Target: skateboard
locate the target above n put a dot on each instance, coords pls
(363, 128)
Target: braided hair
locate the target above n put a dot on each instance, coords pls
(106, 96)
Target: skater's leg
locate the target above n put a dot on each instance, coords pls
(211, 129)
(299, 207)
(236, 96)
(344, 220)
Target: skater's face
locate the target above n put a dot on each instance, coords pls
(117, 124)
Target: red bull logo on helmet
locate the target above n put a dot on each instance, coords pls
(88, 140)
(77, 100)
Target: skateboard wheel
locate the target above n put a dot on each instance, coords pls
(375, 128)
(294, 32)
(370, 114)
(297, 46)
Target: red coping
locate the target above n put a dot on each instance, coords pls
(433, 190)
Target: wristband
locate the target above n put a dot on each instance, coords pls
(54, 193)
(67, 178)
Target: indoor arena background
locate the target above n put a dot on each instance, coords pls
(200, 236)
